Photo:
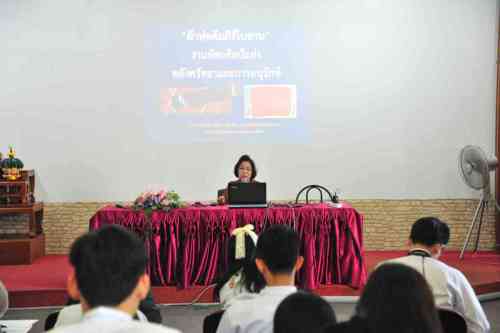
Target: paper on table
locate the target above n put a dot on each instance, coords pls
(17, 326)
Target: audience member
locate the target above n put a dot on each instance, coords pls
(277, 259)
(4, 299)
(396, 299)
(303, 312)
(451, 290)
(109, 278)
(242, 275)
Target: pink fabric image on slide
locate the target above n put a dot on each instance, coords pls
(270, 101)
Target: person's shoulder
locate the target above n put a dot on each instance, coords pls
(76, 327)
(243, 300)
(152, 327)
(445, 267)
(68, 315)
(242, 305)
(114, 326)
(398, 260)
(453, 273)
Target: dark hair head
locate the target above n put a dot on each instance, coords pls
(303, 312)
(108, 263)
(279, 247)
(245, 158)
(430, 231)
(397, 298)
(253, 280)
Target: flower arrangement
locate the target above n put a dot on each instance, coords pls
(160, 200)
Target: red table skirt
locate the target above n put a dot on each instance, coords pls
(189, 246)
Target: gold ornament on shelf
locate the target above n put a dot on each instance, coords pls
(11, 166)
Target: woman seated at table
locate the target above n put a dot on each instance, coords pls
(245, 170)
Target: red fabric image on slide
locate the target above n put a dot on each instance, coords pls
(270, 101)
(197, 100)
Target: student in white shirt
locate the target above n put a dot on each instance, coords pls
(109, 278)
(277, 259)
(451, 289)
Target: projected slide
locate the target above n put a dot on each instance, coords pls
(230, 85)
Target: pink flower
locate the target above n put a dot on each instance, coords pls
(161, 195)
(139, 200)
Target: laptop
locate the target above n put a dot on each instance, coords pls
(246, 195)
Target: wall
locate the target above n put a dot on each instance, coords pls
(387, 222)
(397, 88)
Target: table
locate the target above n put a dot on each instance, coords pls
(16, 326)
(188, 246)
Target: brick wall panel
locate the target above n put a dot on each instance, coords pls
(387, 222)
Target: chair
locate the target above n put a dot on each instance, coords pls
(50, 321)
(211, 322)
(452, 322)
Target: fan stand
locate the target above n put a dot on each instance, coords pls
(481, 207)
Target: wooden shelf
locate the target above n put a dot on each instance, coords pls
(18, 192)
(35, 212)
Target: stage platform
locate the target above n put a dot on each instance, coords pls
(43, 283)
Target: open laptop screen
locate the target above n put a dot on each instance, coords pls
(247, 194)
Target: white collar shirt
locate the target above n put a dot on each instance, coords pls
(450, 288)
(106, 319)
(254, 313)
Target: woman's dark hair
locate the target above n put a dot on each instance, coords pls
(303, 312)
(245, 158)
(397, 298)
(252, 279)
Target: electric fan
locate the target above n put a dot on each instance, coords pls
(475, 168)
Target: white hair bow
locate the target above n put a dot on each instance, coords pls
(240, 233)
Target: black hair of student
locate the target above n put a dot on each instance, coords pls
(253, 280)
(397, 299)
(430, 231)
(108, 263)
(245, 158)
(279, 247)
(303, 312)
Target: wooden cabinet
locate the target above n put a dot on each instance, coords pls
(17, 198)
(35, 214)
(23, 248)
